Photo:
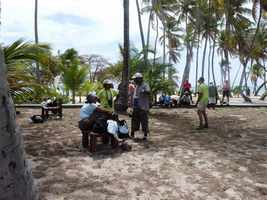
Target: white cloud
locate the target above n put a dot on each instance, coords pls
(104, 28)
(101, 35)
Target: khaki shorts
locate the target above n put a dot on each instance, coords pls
(202, 106)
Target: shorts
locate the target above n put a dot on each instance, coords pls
(226, 93)
(201, 106)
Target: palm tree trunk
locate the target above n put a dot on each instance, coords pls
(148, 34)
(73, 96)
(36, 37)
(227, 27)
(156, 41)
(197, 62)
(209, 63)
(255, 86)
(212, 62)
(123, 92)
(204, 57)
(265, 77)
(15, 176)
(141, 32)
(164, 43)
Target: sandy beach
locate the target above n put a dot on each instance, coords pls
(227, 161)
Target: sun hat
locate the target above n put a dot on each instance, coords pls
(137, 75)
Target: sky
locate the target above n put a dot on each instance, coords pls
(90, 26)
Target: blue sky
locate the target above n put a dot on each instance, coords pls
(90, 26)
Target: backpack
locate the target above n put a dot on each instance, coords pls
(123, 130)
(100, 125)
(36, 119)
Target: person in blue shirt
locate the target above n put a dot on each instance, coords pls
(88, 115)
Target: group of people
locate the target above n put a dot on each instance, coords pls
(186, 94)
(100, 108)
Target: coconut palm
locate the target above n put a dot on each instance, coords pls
(73, 72)
(141, 30)
(36, 37)
(123, 93)
(19, 57)
(73, 77)
(184, 13)
(15, 169)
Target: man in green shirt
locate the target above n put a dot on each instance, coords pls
(202, 102)
(106, 95)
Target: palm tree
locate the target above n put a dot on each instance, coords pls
(185, 13)
(16, 177)
(123, 90)
(36, 37)
(19, 57)
(73, 77)
(141, 30)
(74, 73)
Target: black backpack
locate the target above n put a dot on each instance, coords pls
(100, 125)
(37, 119)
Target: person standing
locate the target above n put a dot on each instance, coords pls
(186, 87)
(202, 102)
(213, 95)
(226, 92)
(106, 95)
(140, 106)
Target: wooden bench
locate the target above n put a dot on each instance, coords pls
(105, 138)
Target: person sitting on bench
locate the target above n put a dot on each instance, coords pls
(90, 114)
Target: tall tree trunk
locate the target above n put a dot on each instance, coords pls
(123, 90)
(36, 38)
(187, 63)
(156, 41)
(148, 34)
(228, 29)
(209, 63)
(16, 181)
(198, 45)
(212, 62)
(255, 86)
(164, 43)
(265, 76)
(204, 57)
(73, 96)
(141, 33)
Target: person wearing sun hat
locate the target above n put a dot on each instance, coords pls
(107, 95)
(202, 103)
(88, 114)
(141, 103)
